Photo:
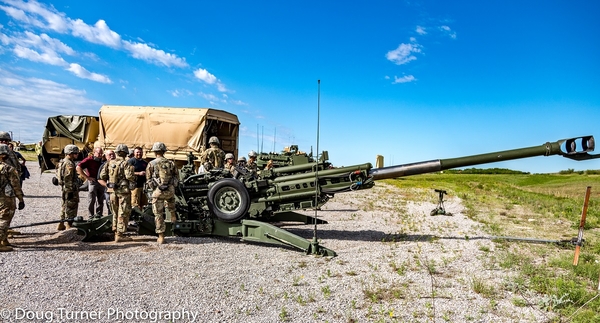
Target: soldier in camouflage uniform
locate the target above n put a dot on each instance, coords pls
(229, 164)
(241, 162)
(251, 166)
(120, 179)
(10, 188)
(162, 177)
(11, 158)
(68, 180)
(214, 156)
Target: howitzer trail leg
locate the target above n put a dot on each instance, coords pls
(258, 231)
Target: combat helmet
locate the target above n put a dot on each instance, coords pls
(242, 159)
(71, 149)
(228, 155)
(122, 148)
(214, 140)
(5, 136)
(252, 153)
(3, 149)
(159, 146)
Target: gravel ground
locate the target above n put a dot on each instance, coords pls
(395, 263)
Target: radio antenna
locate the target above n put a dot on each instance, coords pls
(315, 242)
(262, 139)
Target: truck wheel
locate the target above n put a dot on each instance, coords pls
(228, 199)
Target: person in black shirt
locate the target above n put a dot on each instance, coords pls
(138, 198)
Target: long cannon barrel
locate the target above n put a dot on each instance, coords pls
(574, 148)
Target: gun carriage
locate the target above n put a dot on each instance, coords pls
(242, 204)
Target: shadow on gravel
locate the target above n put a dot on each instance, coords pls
(40, 197)
(82, 246)
(338, 210)
(364, 235)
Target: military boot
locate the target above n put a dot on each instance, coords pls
(4, 248)
(119, 237)
(61, 226)
(67, 225)
(5, 242)
(161, 238)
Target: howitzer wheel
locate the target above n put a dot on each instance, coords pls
(228, 200)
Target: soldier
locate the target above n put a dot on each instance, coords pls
(252, 166)
(120, 179)
(138, 198)
(11, 158)
(9, 189)
(214, 156)
(229, 164)
(241, 162)
(162, 177)
(108, 156)
(68, 180)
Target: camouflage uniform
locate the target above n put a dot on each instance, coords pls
(68, 180)
(10, 188)
(120, 178)
(213, 157)
(13, 161)
(11, 158)
(229, 165)
(162, 176)
(251, 165)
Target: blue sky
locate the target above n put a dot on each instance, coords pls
(410, 80)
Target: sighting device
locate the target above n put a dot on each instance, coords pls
(440, 210)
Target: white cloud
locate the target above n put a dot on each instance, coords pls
(179, 93)
(46, 17)
(152, 55)
(100, 33)
(421, 30)
(446, 30)
(404, 53)
(28, 102)
(221, 87)
(209, 97)
(208, 78)
(81, 72)
(404, 79)
(54, 20)
(49, 57)
(205, 76)
(44, 43)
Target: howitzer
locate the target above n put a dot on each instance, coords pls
(239, 204)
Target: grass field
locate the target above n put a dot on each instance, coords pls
(540, 206)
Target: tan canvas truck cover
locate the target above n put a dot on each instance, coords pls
(182, 130)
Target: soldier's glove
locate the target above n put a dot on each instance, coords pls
(21, 205)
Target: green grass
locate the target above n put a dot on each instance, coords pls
(541, 206)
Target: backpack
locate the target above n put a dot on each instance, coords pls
(163, 171)
(6, 188)
(215, 157)
(59, 173)
(116, 173)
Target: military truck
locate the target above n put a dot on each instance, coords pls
(183, 130)
(62, 130)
